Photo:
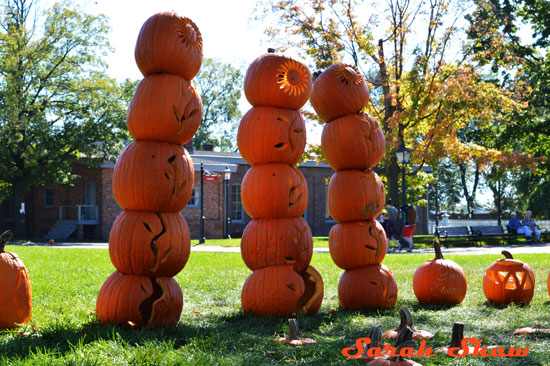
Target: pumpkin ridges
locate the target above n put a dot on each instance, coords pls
(499, 291)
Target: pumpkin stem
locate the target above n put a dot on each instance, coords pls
(293, 329)
(406, 318)
(271, 50)
(458, 335)
(4, 238)
(403, 340)
(507, 254)
(375, 336)
(437, 249)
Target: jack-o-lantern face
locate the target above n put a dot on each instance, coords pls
(271, 135)
(355, 141)
(153, 176)
(370, 287)
(274, 190)
(314, 291)
(509, 280)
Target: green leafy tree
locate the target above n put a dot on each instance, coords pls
(56, 102)
(219, 85)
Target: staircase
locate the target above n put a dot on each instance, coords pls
(62, 229)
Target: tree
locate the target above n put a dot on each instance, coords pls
(219, 86)
(56, 102)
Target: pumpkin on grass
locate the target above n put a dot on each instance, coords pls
(375, 336)
(406, 321)
(369, 287)
(403, 341)
(15, 288)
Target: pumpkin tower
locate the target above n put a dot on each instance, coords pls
(153, 179)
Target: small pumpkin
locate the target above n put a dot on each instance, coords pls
(169, 43)
(274, 190)
(403, 341)
(509, 280)
(139, 300)
(406, 321)
(277, 241)
(150, 244)
(277, 81)
(271, 135)
(272, 291)
(165, 107)
(439, 280)
(153, 176)
(369, 287)
(355, 195)
(338, 91)
(15, 288)
(314, 291)
(357, 244)
(375, 336)
(354, 141)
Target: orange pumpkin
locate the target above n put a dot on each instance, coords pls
(277, 81)
(139, 300)
(314, 291)
(272, 291)
(271, 135)
(153, 176)
(404, 340)
(355, 195)
(439, 281)
(357, 244)
(355, 141)
(369, 287)
(169, 43)
(165, 108)
(338, 91)
(150, 244)
(509, 280)
(15, 288)
(274, 190)
(272, 242)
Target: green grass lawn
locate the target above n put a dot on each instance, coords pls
(213, 330)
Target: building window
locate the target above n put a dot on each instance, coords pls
(48, 197)
(237, 210)
(328, 218)
(195, 200)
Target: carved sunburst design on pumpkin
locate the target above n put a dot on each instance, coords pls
(349, 75)
(292, 77)
(189, 33)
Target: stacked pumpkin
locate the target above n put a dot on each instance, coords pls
(353, 144)
(277, 244)
(153, 179)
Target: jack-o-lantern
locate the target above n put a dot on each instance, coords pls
(355, 195)
(314, 291)
(165, 108)
(271, 135)
(272, 291)
(277, 81)
(357, 244)
(277, 241)
(354, 141)
(139, 300)
(150, 244)
(509, 280)
(169, 43)
(369, 287)
(274, 190)
(338, 91)
(153, 176)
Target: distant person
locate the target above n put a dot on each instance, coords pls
(391, 222)
(514, 224)
(406, 239)
(529, 227)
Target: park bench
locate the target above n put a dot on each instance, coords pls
(489, 231)
(514, 233)
(445, 232)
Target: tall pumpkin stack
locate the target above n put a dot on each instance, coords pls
(277, 244)
(153, 179)
(353, 144)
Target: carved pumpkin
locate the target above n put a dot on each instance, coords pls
(277, 81)
(271, 135)
(153, 176)
(508, 280)
(139, 300)
(357, 244)
(369, 287)
(272, 291)
(169, 43)
(165, 108)
(150, 244)
(314, 291)
(439, 281)
(274, 190)
(338, 91)
(355, 141)
(272, 242)
(15, 288)
(355, 195)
